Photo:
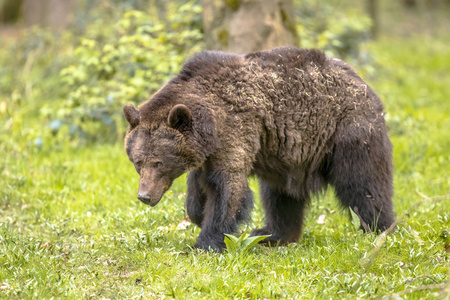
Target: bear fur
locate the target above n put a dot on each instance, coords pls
(294, 118)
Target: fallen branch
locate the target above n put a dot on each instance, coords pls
(382, 238)
(366, 262)
(441, 286)
(419, 277)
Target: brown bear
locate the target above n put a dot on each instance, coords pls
(294, 118)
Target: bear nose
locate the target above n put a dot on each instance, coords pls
(144, 197)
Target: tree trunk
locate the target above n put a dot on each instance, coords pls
(47, 13)
(243, 26)
(409, 3)
(372, 7)
(10, 11)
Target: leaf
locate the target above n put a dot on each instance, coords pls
(355, 219)
(231, 242)
(252, 241)
(243, 243)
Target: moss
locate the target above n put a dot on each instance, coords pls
(290, 24)
(10, 11)
(233, 4)
(223, 37)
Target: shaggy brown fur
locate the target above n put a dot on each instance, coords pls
(294, 118)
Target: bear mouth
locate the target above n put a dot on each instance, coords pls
(153, 203)
(150, 201)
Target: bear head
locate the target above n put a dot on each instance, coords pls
(163, 142)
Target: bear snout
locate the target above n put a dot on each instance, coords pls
(146, 199)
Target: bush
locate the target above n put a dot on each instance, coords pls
(77, 81)
(339, 32)
(129, 61)
(29, 67)
(140, 54)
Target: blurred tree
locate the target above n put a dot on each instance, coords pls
(424, 3)
(335, 26)
(243, 26)
(372, 7)
(409, 3)
(10, 11)
(47, 13)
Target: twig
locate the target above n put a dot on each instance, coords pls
(419, 277)
(367, 261)
(432, 198)
(416, 205)
(407, 212)
(441, 286)
(26, 73)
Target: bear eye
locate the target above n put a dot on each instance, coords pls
(157, 164)
(138, 164)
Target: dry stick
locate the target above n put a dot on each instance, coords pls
(433, 198)
(420, 277)
(441, 286)
(393, 225)
(367, 261)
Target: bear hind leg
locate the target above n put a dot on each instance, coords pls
(283, 216)
(361, 172)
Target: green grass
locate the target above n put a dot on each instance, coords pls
(71, 226)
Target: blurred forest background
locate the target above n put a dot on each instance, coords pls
(80, 61)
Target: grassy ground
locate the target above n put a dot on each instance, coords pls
(71, 226)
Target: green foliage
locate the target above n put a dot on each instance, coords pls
(242, 244)
(76, 81)
(30, 66)
(355, 219)
(143, 54)
(339, 32)
(30, 84)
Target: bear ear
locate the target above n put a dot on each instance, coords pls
(131, 114)
(180, 117)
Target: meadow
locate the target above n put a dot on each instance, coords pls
(71, 226)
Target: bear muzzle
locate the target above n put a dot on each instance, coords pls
(151, 188)
(146, 199)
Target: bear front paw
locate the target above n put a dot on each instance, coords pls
(261, 231)
(273, 240)
(215, 246)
